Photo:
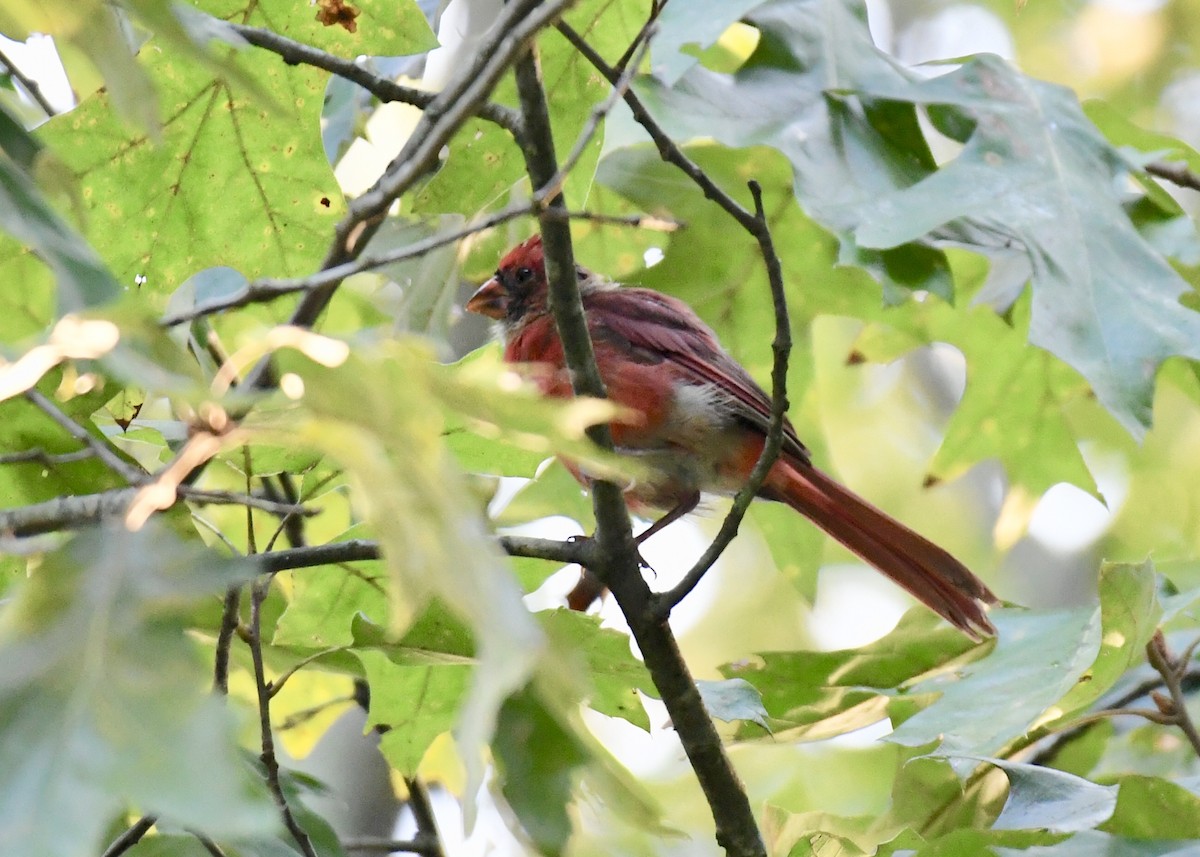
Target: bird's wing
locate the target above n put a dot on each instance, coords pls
(657, 327)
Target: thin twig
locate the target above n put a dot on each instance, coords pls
(422, 810)
(258, 594)
(781, 348)
(360, 550)
(631, 57)
(612, 554)
(296, 718)
(74, 511)
(131, 474)
(553, 187)
(298, 53)
(39, 455)
(269, 289)
(29, 85)
(1172, 671)
(667, 148)
(1174, 172)
(230, 618)
(131, 837)
(276, 684)
(417, 845)
(1189, 682)
(211, 847)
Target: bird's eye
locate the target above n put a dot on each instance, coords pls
(524, 275)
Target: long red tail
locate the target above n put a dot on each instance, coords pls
(934, 577)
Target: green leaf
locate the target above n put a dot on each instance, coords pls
(1129, 615)
(103, 701)
(1153, 808)
(1051, 800)
(614, 674)
(382, 27)
(733, 699)
(818, 90)
(1014, 405)
(82, 279)
(537, 759)
(377, 413)
(416, 703)
(325, 602)
(232, 182)
(1037, 659)
(692, 25)
(818, 694)
(1035, 171)
(1093, 843)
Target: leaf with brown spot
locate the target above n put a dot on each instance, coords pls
(338, 13)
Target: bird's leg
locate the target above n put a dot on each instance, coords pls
(687, 505)
(590, 587)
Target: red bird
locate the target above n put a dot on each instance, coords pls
(703, 422)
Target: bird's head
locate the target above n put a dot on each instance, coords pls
(518, 286)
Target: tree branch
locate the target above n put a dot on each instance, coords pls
(131, 837)
(269, 289)
(298, 53)
(74, 511)
(613, 554)
(422, 810)
(1176, 173)
(1174, 708)
(28, 84)
(258, 594)
(781, 347)
(131, 474)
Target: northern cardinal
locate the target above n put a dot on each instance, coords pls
(701, 422)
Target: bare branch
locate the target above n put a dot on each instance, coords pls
(131, 474)
(782, 349)
(298, 53)
(1174, 708)
(230, 617)
(1174, 172)
(422, 810)
(266, 290)
(131, 837)
(39, 455)
(258, 594)
(74, 511)
(614, 557)
(28, 84)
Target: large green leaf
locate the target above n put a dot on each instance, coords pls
(233, 181)
(1035, 172)
(377, 413)
(82, 279)
(818, 90)
(817, 694)
(103, 698)
(1050, 800)
(1038, 658)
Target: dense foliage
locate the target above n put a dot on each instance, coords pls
(225, 526)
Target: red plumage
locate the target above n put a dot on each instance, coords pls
(703, 423)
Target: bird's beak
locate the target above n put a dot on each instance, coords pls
(491, 300)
